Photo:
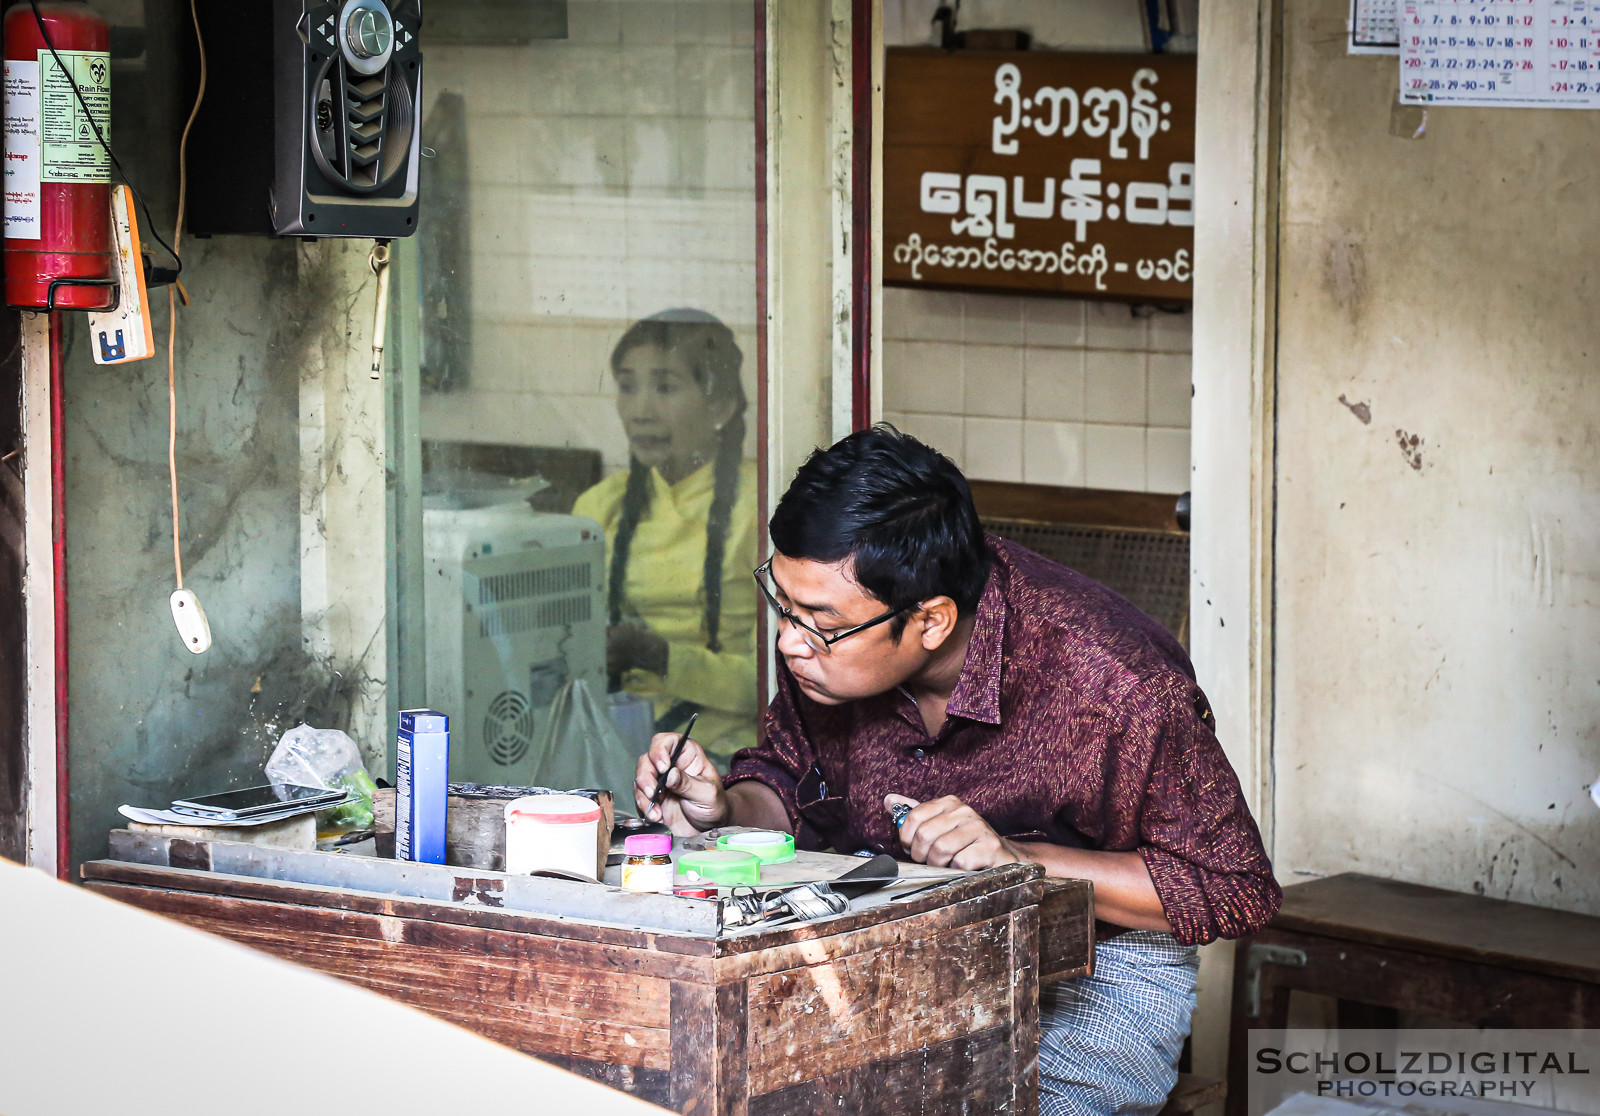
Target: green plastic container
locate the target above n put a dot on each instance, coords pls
(721, 866)
(767, 846)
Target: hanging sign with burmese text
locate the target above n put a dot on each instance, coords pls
(1040, 172)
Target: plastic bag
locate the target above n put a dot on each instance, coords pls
(634, 718)
(328, 758)
(580, 747)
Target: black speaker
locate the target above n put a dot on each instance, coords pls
(311, 123)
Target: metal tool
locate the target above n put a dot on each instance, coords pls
(378, 261)
(814, 901)
(677, 753)
(747, 906)
(633, 826)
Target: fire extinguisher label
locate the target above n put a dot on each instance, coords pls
(69, 149)
(22, 150)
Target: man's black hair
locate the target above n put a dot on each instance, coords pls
(899, 508)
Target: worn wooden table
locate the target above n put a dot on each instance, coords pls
(925, 1005)
(1382, 946)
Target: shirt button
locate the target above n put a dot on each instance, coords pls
(920, 753)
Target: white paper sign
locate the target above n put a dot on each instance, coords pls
(1530, 53)
(72, 151)
(22, 150)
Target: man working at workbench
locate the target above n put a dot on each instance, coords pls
(1032, 714)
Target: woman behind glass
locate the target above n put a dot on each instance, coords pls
(680, 530)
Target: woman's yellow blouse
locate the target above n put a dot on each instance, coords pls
(665, 589)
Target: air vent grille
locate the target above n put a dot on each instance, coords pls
(508, 728)
(536, 614)
(500, 588)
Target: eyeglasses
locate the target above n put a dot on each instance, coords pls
(815, 639)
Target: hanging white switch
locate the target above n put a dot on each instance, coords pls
(191, 621)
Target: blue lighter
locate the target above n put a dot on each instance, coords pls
(422, 765)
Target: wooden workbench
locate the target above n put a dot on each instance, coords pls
(926, 1005)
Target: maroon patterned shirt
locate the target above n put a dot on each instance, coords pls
(1076, 720)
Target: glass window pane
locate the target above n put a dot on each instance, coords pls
(581, 305)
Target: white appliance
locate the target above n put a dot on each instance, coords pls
(515, 607)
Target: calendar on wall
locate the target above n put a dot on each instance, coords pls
(1528, 53)
(1374, 27)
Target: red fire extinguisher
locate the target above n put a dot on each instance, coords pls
(57, 169)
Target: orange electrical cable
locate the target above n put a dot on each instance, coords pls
(172, 301)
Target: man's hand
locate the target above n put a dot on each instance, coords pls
(630, 647)
(947, 833)
(694, 800)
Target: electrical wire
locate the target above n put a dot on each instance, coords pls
(172, 300)
(44, 33)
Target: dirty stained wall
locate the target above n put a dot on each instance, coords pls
(279, 464)
(1438, 498)
(280, 467)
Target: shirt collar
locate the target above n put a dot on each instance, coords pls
(977, 693)
(696, 484)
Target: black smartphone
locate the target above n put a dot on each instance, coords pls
(249, 801)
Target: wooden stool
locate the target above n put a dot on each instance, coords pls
(1381, 947)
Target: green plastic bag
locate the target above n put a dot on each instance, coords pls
(327, 758)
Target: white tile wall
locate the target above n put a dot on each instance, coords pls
(1052, 453)
(1053, 322)
(991, 320)
(1049, 391)
(1171, 333)
(1169, 392)
(1114, 386)
(994, 448)
(992, 380)
(931, 380)
(1114, 325)
(1114, 457)
(1167, 459)
(945, 433)
(611, 176)
(1054, 383)
(922, 315)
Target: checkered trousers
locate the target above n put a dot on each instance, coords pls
(1109, 1043)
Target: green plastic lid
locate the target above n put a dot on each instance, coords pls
(767, 846)
(721, 866)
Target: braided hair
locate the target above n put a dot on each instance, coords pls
(714, 359)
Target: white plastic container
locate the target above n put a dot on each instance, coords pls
(552, 831)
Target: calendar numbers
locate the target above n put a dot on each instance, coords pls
(1543, 53)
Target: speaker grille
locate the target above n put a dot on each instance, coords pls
(364, 104)
(361, 125)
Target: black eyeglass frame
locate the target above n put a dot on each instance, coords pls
(764, 571)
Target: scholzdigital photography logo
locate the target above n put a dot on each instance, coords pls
(1425, 1072)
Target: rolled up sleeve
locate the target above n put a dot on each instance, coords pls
(1196, 835)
